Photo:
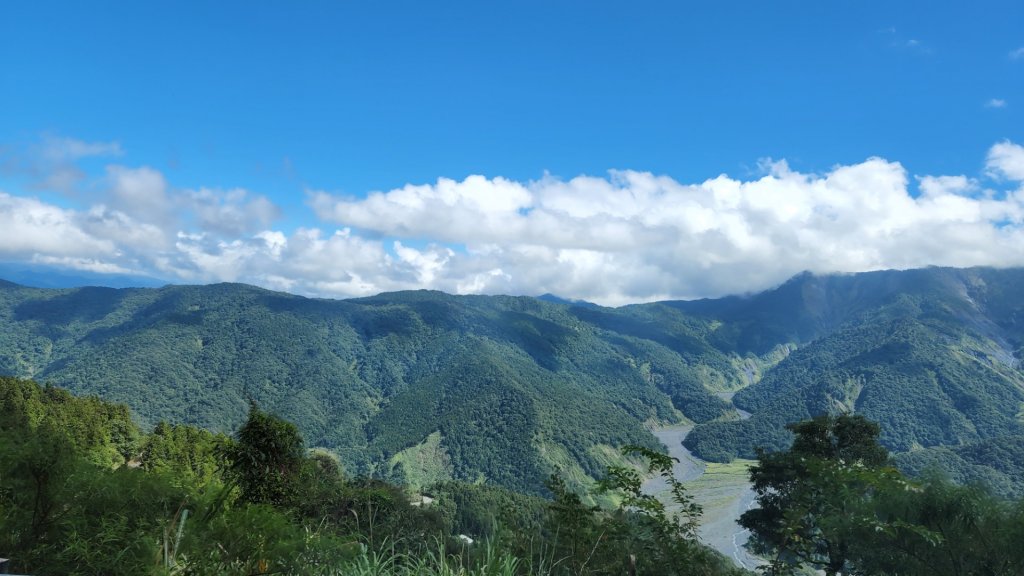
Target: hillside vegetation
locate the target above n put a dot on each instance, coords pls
(506, 390)
(515, 387)
(83, 491)
(933, 355)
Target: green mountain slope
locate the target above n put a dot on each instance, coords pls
(516, 387)
(932, 355)
(508, 389)
(997, 463)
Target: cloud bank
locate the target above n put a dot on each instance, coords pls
(625, 237)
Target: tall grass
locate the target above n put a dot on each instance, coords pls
(487, 560)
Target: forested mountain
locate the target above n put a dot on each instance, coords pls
(515, 387)
(508, 389)
(931, 354)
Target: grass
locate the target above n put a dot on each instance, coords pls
(721, 484)
(426, 463)
(484, 560)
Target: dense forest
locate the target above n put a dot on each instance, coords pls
(84, 491)
(425, 387)
(524, 381)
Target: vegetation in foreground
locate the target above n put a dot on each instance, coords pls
(82, 491)
(832, 502)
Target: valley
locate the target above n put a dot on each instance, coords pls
(483, 400)
(507, 390)
(723, 490)
(512, 288)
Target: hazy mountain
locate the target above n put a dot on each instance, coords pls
(44, 276)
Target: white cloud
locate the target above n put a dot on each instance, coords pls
(308, 262)
(942, 186)
(626, 237)
(996, 103)
(913, 44)
(1006, 160)
(88, 264)
(636, 236)
(231, 212)
(139, 192)
(124, 231)
(30, 227)
(426, 263)
(487, 205)
(1017, 54)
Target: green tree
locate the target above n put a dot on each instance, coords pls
(186, 451)
(660, 538)
(817, 496)
(266, 460)
(573, 527)
(941, 529)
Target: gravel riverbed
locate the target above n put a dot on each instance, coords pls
(722, 489)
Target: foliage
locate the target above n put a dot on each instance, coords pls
(831, 503)
(931, 354)
(941, 529)
(268, 506)
(667, 538)
(485, 511)
(996, 463)
(266, 460)
(184, 451)
(811, 496)
(369, 378)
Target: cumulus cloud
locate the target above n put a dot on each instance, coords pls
(996, 103)
(1006, 160)
(308, 261)
(625, 237)
(231, 212)
(128, 218)
(453, 205)
(638, 236)
(32, 227)
(139, 192)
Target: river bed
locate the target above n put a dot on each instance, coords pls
(722, 489)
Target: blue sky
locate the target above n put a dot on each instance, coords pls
(199, 142)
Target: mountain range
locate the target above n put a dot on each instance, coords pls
(428, 386)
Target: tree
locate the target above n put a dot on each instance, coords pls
(817, 496)
(941, 529)
(266, 459)
(657, 539)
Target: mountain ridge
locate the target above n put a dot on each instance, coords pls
(516, 387)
